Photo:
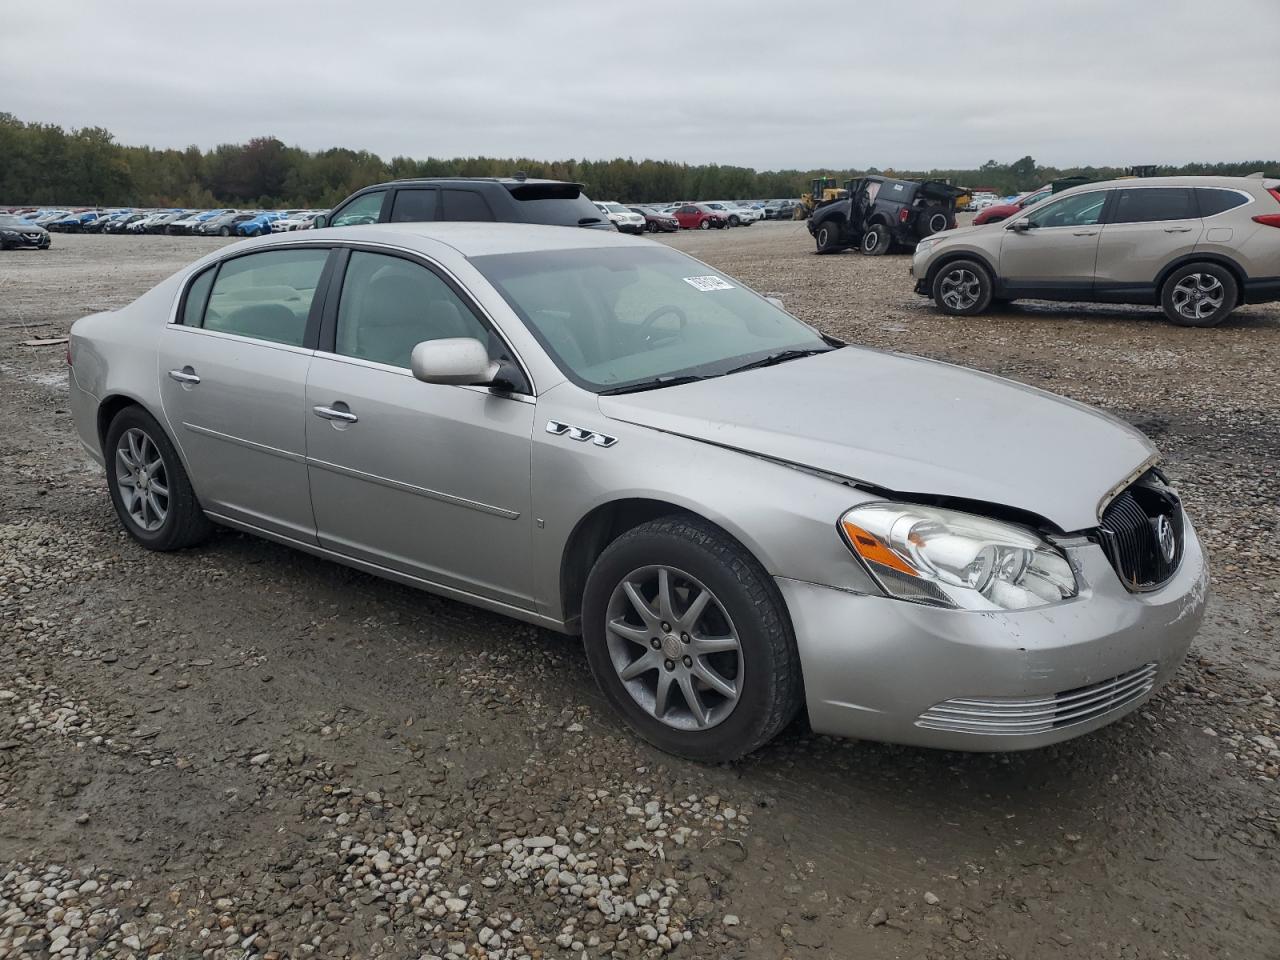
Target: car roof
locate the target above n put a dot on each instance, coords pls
(469, 239)
(1237, 183)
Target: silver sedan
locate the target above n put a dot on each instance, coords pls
(743, 518)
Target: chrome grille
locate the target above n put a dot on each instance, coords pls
(1031, 715)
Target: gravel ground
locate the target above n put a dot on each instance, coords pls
(244, 752)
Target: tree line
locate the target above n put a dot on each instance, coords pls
(41, 163)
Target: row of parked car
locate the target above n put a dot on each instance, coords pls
(223, 221)
(703, 215)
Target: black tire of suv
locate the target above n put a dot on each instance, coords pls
(185, 525)
(827, 237)
(773, 691)
(986, 288)
(931, 220)
(1230, 294)
(876, 241)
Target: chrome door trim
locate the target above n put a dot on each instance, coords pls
(240, 441)
(238, 338)
(497, 606)
(406, 372)
(413, 488)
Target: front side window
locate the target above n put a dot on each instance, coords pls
(365, 208)
(1148, 204)
(389, 305)
(465, 205)
(266, 295)
(611, 318)
(413, 206)
(1077, 210)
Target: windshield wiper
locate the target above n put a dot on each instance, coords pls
(657, 383)
(782, 356)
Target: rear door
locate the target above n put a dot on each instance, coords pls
(233, 369)
(1056, 255)
(1146, 229)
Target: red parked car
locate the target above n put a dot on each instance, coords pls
(1003, 211)
(699, 216)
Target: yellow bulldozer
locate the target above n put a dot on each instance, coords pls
(823, 190)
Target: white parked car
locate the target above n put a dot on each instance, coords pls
(624, 219)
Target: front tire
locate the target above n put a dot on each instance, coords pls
(962, 288)
(689, 640)
(876, 241)
(705, 225)
(1199, 295)
(149, 486)
(651, 226)
(224, 232)
(827, 237)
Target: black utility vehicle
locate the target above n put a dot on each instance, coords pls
(503, 199)
(880, 213)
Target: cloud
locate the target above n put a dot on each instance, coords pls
(933, 84)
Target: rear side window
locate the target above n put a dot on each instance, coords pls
(197, 294)
(411, 206)
(1218, 201)
(465, 205)
(266, 295)
(363, 209)
(1148, 204)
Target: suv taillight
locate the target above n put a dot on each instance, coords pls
(903, 214)
(1270, 219)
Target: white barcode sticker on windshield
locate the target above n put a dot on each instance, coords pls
(708, 283)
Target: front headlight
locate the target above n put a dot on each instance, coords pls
(946, 558)
(924, 246)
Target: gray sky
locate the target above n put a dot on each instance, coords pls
(759, 83)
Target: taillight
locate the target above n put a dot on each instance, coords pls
(1270, 219)
(903, 214)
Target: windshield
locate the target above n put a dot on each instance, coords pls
(8, 221)
(614, 317)
(615, 208)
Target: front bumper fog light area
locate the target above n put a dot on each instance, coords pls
(946, 558)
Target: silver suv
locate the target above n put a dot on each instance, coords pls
(1197, 246)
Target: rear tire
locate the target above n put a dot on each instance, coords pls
(1199, 295)
(962, 288)
(149, 486)
(705, 225)
(754, 660)
(876, 241)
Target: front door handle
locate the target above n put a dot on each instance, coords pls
(1085, 233)
(1177, 229)
(338, 411)
(185, 375)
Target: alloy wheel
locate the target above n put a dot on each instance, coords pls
(142, 479)
(1197, 296)
(960, 289)
(674, 648)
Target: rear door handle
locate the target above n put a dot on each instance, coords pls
(1177, 229)
(185, 375)
(334, 413)
(1085, 233)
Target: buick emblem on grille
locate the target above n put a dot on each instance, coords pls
(1166, 538)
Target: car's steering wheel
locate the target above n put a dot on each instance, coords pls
(646, 325)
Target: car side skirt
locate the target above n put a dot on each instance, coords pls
(452, 593)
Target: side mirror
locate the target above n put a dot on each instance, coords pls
(457, 360)
(1021, 225)
(320, 222)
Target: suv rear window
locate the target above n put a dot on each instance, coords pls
(1216, 201)
(1147, 204)
(556, 204)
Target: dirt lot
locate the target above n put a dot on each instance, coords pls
(241, 751)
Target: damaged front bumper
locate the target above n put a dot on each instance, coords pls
(876, 668)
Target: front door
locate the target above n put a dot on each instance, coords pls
(232, 372)
(425, 479)
(1146, 229)
(1058, 251)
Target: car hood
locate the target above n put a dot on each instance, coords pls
(911, 426)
